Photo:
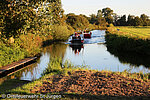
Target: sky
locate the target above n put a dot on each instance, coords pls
(121, 7)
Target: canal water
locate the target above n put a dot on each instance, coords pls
(93, 53)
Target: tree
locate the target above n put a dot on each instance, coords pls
(93, 19)
(29, 16)
(122, 21)
(138, 21)
(57, 11)
(115, 18)
(130, 20)
(145, 19)
(78, 22)
(108, 13)
(99, 14)
(100, 19)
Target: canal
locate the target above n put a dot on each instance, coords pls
(93, 53)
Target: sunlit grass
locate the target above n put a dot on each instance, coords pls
(132, 32)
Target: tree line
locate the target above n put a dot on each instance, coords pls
(104, 18)
(107, 16)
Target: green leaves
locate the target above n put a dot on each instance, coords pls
(29, 16)
(78, 22)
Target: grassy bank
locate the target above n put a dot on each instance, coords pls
(80, 83)
(25, 46)
(131, 39)
(28, 45)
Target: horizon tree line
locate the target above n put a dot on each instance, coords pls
(107, 16)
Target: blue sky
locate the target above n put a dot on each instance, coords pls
(121, 7)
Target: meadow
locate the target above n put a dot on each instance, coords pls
(131, 32)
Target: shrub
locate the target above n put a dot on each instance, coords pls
(9, 54)
(61, 32)
(30, 42)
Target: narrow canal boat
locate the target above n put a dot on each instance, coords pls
(87, 35)
(77, 39)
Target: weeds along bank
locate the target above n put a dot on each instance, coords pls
(129, 39)
(22, 47)
(28, 45)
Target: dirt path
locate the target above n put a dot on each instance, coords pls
(94, 83)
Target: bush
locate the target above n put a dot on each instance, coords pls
(61, 32)
(10, 54)
(30, 42)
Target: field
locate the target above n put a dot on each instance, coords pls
(133, 32)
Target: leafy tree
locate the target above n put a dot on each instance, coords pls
(130, 20)
(122, 21)
(57, 12)
(138, 21)
(145, 19)
(93, 19)
(99, 14)
(29, 16)
(115, 18)
(107, 12)
(14, 15)
(100, 19)
(78, 22)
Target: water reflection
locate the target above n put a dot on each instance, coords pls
(132, 58)
(76, 48)
(35, 70)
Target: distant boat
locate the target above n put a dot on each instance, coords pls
(87, 35)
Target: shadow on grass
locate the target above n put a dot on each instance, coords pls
(11, 84)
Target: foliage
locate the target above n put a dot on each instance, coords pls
(78, 22)
(14, 15)
(57, 12)
(98, 19)
(29, 16)
(121, 21)
(61, 32)
(107, 12)
(145, 19)
(9, 54)
(30, 42)
(58, 66)
(93, 19)
(132, 20)
(24, 46)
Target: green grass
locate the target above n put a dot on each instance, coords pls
(132, 32)
(57, 66)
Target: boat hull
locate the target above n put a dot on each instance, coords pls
(87, 35)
